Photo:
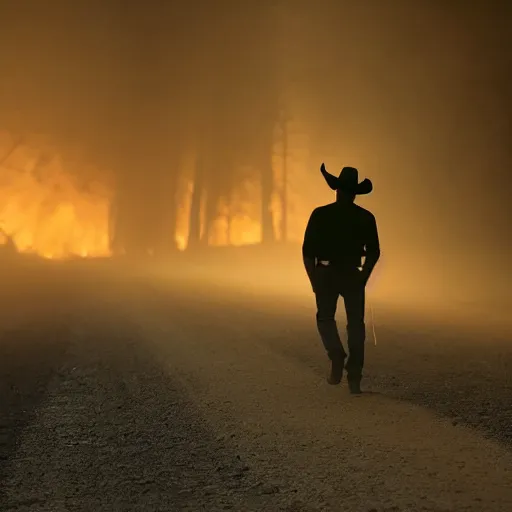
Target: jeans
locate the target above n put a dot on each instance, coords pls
(330, 283)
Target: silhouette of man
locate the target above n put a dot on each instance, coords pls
(337, 237)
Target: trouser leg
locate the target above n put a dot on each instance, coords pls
(326, 302)
(355, 308)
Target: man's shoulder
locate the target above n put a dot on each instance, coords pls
(364, 214)
(355, 211)
(326, 208)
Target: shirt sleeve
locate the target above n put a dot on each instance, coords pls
(309, 245)
(372, 245)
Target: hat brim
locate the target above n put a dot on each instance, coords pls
(363, 188)
(331, 180)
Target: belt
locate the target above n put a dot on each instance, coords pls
(342, 267)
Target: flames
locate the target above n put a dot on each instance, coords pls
(46, 210)
(236, 221)
(49, 208)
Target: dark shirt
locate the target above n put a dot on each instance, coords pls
(342, 233)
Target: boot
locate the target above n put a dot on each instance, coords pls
(354, 386)
(337, 365)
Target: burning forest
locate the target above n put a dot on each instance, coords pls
(133, 159)
(46, 208)
(184, 126)
(54, 206)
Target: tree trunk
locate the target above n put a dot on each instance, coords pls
(194, 230)
(267, 218)
(284, 191)
(210, 215)
(169, 244)
(113, 226)
(229, 226)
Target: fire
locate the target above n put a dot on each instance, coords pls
(45, 210)
(48, 208)
(237, 218)
(236, 222)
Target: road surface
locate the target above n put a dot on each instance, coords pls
(138, 393)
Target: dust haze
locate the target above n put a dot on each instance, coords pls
(159, 161)
(194, 131)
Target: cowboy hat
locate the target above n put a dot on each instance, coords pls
(348, 181)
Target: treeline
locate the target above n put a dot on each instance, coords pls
(168, 97)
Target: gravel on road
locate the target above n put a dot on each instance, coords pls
(144, 396)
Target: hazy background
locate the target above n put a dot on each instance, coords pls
(146, 127)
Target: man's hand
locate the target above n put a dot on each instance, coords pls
(310, 266)
(363, 278)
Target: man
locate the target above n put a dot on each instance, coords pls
(337, 237)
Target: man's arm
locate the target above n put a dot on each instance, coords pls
(308, 248)
(372, 250)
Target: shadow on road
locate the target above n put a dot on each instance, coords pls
(29, 357)
(33, 340)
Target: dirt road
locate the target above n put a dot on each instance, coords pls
(135, 394)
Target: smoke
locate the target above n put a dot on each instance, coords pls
(178, 98)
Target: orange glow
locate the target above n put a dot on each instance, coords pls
(47, 208)
(44, 209)
(238, 219)
(236, 223)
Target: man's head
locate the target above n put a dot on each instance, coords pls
(345, 197)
